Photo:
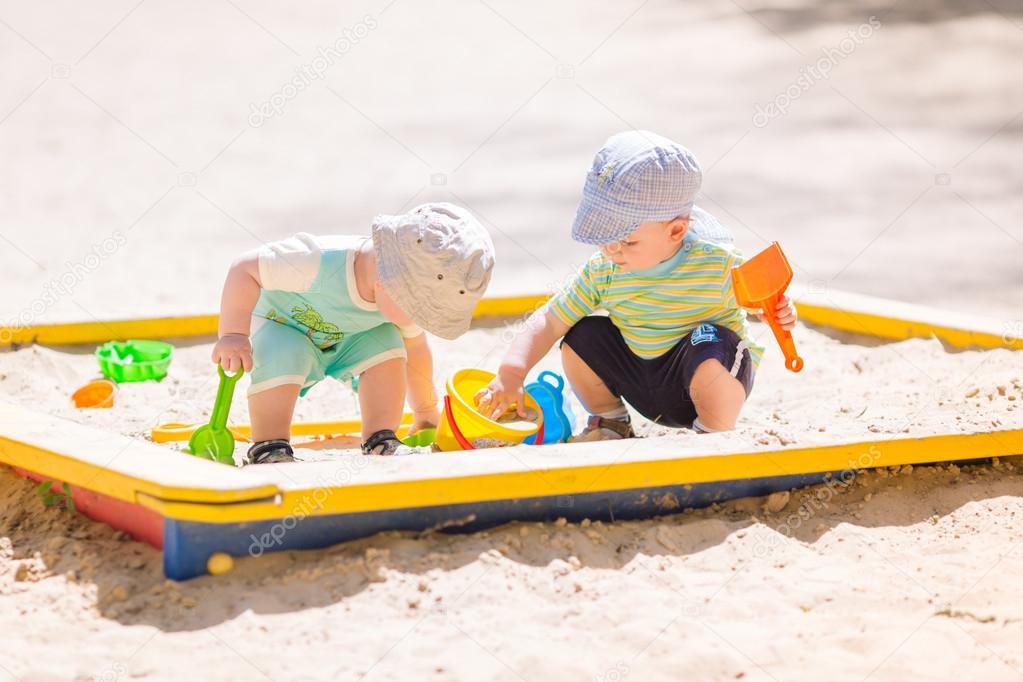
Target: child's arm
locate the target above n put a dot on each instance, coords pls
(543, 330)
(422, 396)
(241, 292)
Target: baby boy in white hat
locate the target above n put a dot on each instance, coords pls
(298, 310)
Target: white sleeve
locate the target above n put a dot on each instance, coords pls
(411, 331)
(290, 264)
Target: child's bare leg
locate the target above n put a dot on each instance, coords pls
(270, 412)
(717, 395)
(609, 417)
(382, 396)
(589, 388)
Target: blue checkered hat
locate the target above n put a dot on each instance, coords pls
(640, 177)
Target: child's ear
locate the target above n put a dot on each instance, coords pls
(678, 228)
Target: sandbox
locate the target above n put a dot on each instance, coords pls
(193, 509)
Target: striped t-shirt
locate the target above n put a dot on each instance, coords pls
(656, 308)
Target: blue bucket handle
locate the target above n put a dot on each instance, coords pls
(559, 382)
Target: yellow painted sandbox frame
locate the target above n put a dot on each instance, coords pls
(844, 311)
(201, 507)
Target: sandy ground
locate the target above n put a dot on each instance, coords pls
(871, 578)
(847, 391)
(134, 172)
(909, 575)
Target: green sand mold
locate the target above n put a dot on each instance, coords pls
(133, 360)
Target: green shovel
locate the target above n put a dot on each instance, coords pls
(215, 441)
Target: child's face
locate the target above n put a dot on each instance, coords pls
(650, 244)
(388, 308)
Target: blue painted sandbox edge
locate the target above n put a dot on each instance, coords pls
(188, 544)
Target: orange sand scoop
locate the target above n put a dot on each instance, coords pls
(759, 283)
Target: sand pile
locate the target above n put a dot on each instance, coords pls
(847, 391)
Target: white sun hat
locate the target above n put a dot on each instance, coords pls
(435, 263)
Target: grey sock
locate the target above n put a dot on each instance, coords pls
(700, 427)
(620, 413)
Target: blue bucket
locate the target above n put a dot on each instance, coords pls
(549, 391)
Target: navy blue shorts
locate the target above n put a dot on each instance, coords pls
(658, 388)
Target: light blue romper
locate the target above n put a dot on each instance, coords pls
(326, 328)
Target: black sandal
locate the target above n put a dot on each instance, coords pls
(386, 443)
(275, 451)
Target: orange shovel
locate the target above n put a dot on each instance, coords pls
(759, 283)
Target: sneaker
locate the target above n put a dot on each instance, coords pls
(385, 443)
(601, 428)
(271, 452)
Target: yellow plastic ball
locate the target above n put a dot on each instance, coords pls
(219, 563)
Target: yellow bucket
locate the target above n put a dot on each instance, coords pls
(461, 425)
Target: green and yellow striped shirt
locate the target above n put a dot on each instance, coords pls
(656, 308)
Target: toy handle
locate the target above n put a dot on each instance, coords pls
(558, 383)
(793, 362)
(225, 393)
(455, 431)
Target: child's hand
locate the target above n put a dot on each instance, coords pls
(785, 313)
(233, 352)
(498, 396)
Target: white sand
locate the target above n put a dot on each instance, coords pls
(898, 176)
(905, 576)
(847, 391)
(867, 578)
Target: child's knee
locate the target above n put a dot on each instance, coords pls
(717, 395)
(576, 369)
(392, 368)
(584, 334)
(569, 356)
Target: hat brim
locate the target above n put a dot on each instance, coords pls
(598, 225)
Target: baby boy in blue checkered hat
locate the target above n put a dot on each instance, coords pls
(674, 343)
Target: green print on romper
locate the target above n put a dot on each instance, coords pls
(308, 315)
(328, 311)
